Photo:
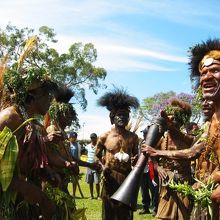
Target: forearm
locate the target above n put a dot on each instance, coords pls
(188, 140)
(189, 154)
(81, 162)
(56, 160)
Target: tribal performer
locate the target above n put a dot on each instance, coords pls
(60, 115)
(172, 205)
(205, 67)
(120, 148)
(25, 158)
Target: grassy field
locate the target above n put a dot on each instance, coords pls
(93, 211)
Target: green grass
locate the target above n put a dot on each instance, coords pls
(94, 207)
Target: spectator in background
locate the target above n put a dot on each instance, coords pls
(75, 148)
(92, 176)
(149, 181)
(192, 128)
(75, 151)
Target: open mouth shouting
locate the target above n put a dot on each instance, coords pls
(210, 88)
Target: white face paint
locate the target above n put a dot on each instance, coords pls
(121, 118)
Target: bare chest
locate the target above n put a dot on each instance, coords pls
(116, 142)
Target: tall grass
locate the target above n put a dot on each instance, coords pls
(94, 206)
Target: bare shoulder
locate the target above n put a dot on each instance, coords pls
(104, 136)
(10, 117)
(133, 134)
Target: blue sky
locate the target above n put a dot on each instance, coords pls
(142, 44)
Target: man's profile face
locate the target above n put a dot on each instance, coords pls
(121, 118)
(210, 81)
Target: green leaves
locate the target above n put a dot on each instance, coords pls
(200, 196)
(9, 148)
(75, 67)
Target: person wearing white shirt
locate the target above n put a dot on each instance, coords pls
(92, 176)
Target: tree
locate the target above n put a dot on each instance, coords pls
(151, 106)
(75, 68)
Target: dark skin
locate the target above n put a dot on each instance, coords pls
(210, 84)
(112, 142)
(208, 109)
(188, 154)
(118, 138)
(59, 127)
(12, 118)
(174, 128)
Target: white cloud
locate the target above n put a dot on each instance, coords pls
(113, 56)
(141, 52)
(76, 14)
(93, 21)
(91, 123)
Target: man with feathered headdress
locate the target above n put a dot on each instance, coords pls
(205, 71)
(120, 147)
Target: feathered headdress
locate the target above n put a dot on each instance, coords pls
(63, 94)
(118, 99)
(205, 52)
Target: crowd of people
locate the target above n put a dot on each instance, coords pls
(38, 158)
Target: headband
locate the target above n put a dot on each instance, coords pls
(213, 57)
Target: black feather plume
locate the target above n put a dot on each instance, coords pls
(118, 99)
(63, 94)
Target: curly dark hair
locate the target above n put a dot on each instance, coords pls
(196, 54)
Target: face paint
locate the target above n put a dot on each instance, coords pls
(210, 82)
(121, 118)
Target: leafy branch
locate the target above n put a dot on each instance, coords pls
(201, 196)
